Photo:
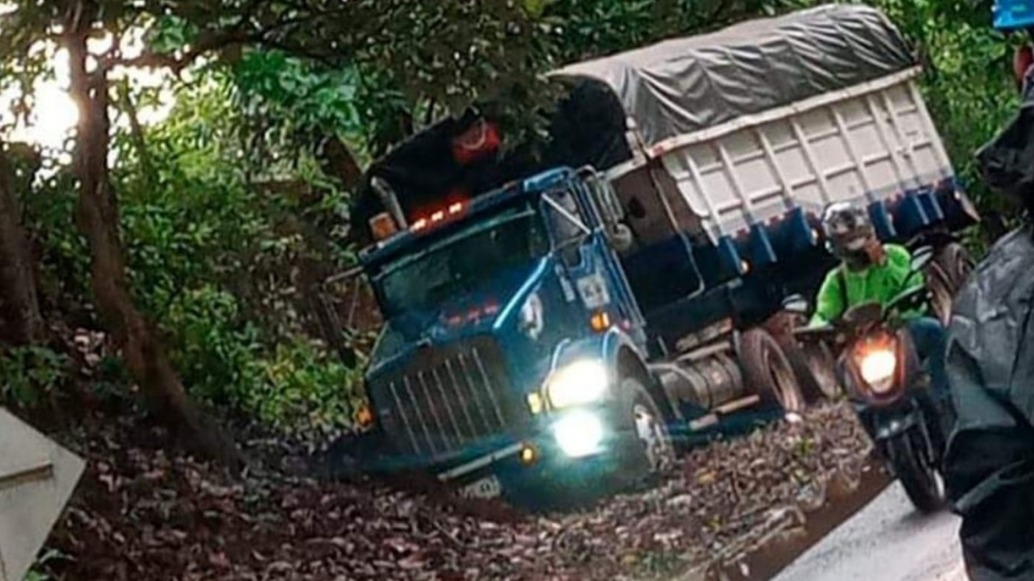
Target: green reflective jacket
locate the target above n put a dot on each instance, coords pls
(844, 288)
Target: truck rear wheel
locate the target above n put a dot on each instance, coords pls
(768, 372)
(942, 293)
(956, 263)
(813, 364)
(945, 276)
(815, 367)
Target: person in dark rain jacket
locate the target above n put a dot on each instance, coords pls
(989, 466)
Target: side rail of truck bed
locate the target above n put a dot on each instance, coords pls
(758, 182)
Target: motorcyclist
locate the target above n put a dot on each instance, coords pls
(989, 467)
(875, 272)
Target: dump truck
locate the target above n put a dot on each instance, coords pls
(555, 321)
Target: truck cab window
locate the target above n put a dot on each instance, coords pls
(567, 223)
(463, 262)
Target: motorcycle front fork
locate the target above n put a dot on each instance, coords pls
(931, 415)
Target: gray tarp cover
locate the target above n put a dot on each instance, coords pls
(989, 468)
(683, 85)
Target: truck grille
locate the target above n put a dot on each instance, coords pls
(446, 398)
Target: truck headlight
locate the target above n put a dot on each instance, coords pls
(578, 433)
(578, 383)
(877, 367)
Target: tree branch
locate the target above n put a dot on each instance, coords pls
(176, 64)
(137, 134)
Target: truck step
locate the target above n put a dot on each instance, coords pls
(737, 405)
(725, 409)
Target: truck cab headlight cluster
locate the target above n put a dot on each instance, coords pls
(578, 383)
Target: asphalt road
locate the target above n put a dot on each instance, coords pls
(886, 541)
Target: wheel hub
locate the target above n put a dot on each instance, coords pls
(652, 434)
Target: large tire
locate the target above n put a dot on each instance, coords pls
(814, 365)
(768, 372)
(956, 263)
(917, 475)
(816, 369)
(650, 445)
(942, 292)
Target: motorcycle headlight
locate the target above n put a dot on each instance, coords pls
(877, 367)
(578, 383)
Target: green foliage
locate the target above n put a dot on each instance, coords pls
(43, 562)
(305, 99)
(590, 28)
(295, 386)
(213, 347)
(967, 83)
(212, 255)
(306, 391)
(29, 374)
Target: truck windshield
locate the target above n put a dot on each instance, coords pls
(463, 261)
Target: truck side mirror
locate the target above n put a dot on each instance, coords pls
(615, 212)
(604, 196)
(611, 213)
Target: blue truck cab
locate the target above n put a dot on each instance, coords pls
(510, 331)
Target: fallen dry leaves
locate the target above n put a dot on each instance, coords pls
(144, 514)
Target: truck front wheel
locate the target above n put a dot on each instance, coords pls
(768, 373)
(651, 443)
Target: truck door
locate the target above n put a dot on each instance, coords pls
(591, 268)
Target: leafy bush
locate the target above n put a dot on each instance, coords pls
(30, 374)
(295, 387)
(214, 244)
(214, 232)
(216, 352)
(306, 391)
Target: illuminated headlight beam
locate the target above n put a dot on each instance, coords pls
(579, 433)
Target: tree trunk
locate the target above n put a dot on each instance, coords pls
(97, 217)
(20, 320)
(338, 162)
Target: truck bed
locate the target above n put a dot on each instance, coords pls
(870, 143)
(760, 125)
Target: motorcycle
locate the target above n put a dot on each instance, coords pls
(890, 391)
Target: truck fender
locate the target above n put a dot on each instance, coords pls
(614, 348)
